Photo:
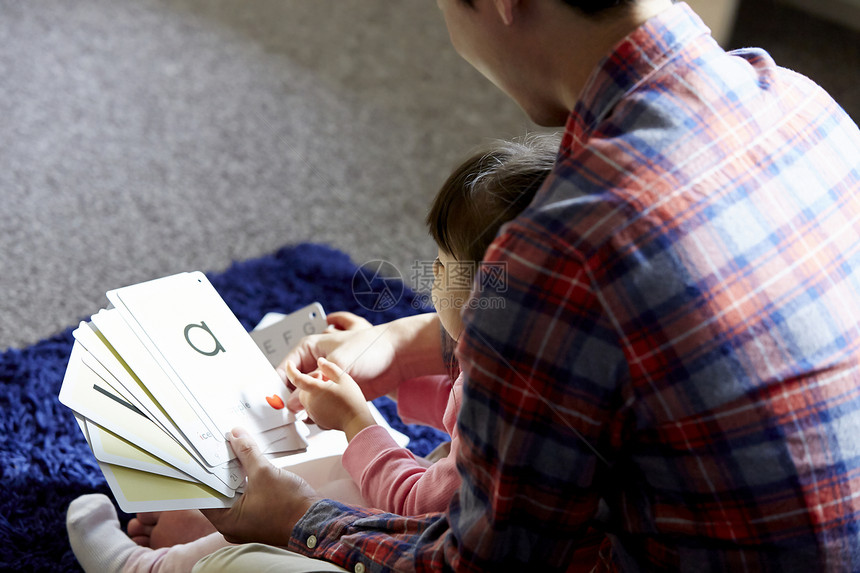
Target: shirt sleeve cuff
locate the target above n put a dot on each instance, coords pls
(324, 522)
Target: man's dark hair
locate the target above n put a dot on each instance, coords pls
(594, 7)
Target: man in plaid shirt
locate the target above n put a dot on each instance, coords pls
(677, 360)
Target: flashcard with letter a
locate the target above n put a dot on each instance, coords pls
(90, 396)
(201, 345)
(174, 402)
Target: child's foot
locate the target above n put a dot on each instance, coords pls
(168, 528)
(96, 536)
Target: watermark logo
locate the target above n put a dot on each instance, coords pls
(377, 286)
(459, 284)
(492, 277)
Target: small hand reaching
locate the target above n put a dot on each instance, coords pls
(342, 320)
(378, 357)
(334, 400)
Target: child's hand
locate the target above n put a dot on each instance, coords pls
(342, 320)
(335, 401)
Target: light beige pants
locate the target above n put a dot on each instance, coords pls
(260, 558)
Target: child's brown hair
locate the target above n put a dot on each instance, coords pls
(487, 190)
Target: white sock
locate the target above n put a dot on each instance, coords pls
(95, 534)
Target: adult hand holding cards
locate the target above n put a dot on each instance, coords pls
(158, 380)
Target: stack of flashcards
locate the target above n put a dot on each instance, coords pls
(158, 379)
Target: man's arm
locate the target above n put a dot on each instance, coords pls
(279, 508)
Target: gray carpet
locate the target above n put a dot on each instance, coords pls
(147, 137)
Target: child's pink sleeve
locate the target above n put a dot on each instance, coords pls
(423, 400)
(393, 479)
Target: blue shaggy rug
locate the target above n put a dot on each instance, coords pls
(44, 460)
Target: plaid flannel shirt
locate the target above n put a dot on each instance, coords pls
(673, 357)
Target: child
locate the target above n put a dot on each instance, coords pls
(487, 190)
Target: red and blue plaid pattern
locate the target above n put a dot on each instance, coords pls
(676, 361)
